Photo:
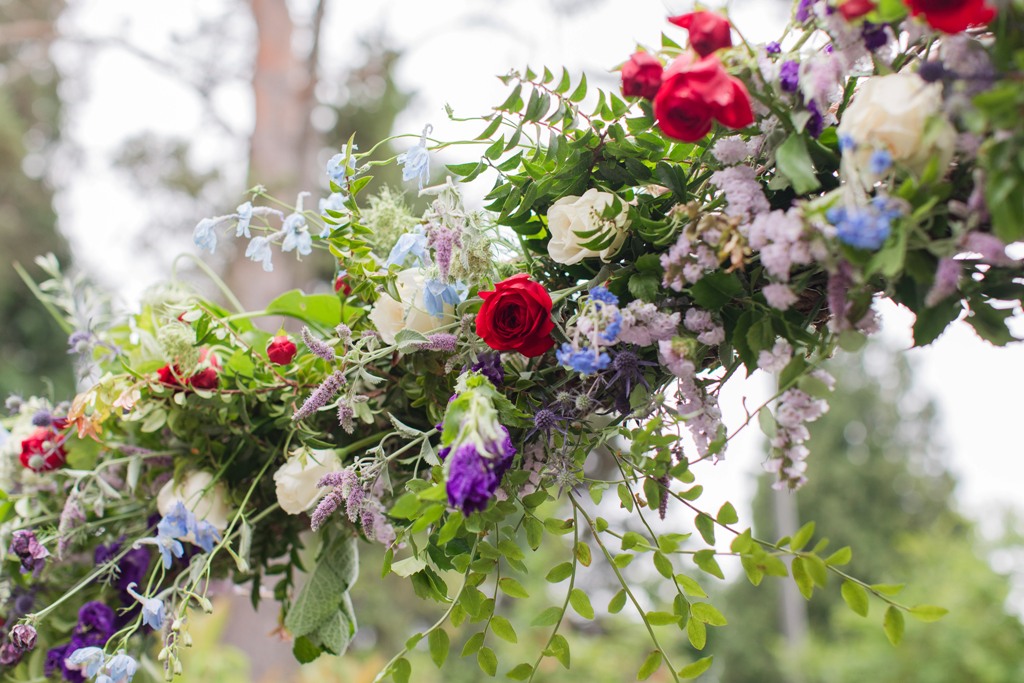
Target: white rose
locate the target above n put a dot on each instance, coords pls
(391, 317)
(194, 490)
(902, 114)
(296, 479)
(571, 215)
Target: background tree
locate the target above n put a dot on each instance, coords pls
(32, 347)
(878, 483)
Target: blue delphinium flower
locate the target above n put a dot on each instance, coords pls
(864, 227)
(336, 169)
(205, 535)
(847, 143)
(587, 361)
(153, 612)
(416, 162)
(86, 660)
(259, 251)
(602, 294)
(436, 294)
(205, 235)
(244, 215)
(296, 237)
(880, 162)
(410, 244)
(122, 668)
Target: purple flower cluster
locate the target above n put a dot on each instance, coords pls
(361, 506)
(489, 365)
(96, 623)
(317, 347)
(474, 473)
(29, 551)
(327, 390)
(692, 256)
(742, 191)
(783, 242)
(795, 409)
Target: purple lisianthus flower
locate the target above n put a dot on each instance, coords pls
(23, 637)
(30, 551)
(96, 617)
(54, 660)
(789, 76)
(489, 365)
(471, 480)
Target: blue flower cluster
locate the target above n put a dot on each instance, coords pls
(599, 325)
(181, 525)
(90, 662)
(864, 227)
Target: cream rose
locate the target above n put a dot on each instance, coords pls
(902, 114)
(570, 216)
(391, 317)
(195, 491)
(296, 479)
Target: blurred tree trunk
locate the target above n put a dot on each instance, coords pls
(283, 144)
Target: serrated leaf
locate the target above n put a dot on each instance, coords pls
(893, 625)
(581, 603)
(439, 644)
(855, 597)
(695, 669)
(650, 665)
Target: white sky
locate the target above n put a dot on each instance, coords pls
(453, 51)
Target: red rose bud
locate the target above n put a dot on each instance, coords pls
(516, 316)
(43, 450)
(169, 375)
(341, 284)
(208, 377)
(854, 9)
(641, 76)
(708, 31)
(281, 350)
(952, 16)
(696, 92)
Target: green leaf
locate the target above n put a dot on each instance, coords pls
(520, 672)
(583, 555)
(579, 93)
(803, 580)
(559, 573)
(617, 602)
(503, 629)
(840, 557)
(326, 588)
(690, 586)
(559, 649)
(512, 588)
(662, 618)
(855, 597)
(893, 625)
(401, 671)
(727, 514)
(581, 603)
(697, 633)
(319, 310)
(706, 527)
(802, 537)
(663, 565)
(715, 290)
(795, 163)
(549, 617)
(474, 644)
(304, 650)
(487, 661)
(928, 612)
(708, 613)
(650, 665)
(695, 669)
(644, 286)
(705, 559)
(439, 644)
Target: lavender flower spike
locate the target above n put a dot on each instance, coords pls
(320, 396)
(331, 502)
(317, 347)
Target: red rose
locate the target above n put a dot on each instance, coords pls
(854, 9)
(281, 350)
(694, 93)
(516, 316)
(952, 16)
(641, 76)
(204, 379)
(43, 450)
(341, 284)
(708, 31)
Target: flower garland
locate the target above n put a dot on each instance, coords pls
(740, 207)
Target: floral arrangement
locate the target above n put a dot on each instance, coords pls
(738, 207)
